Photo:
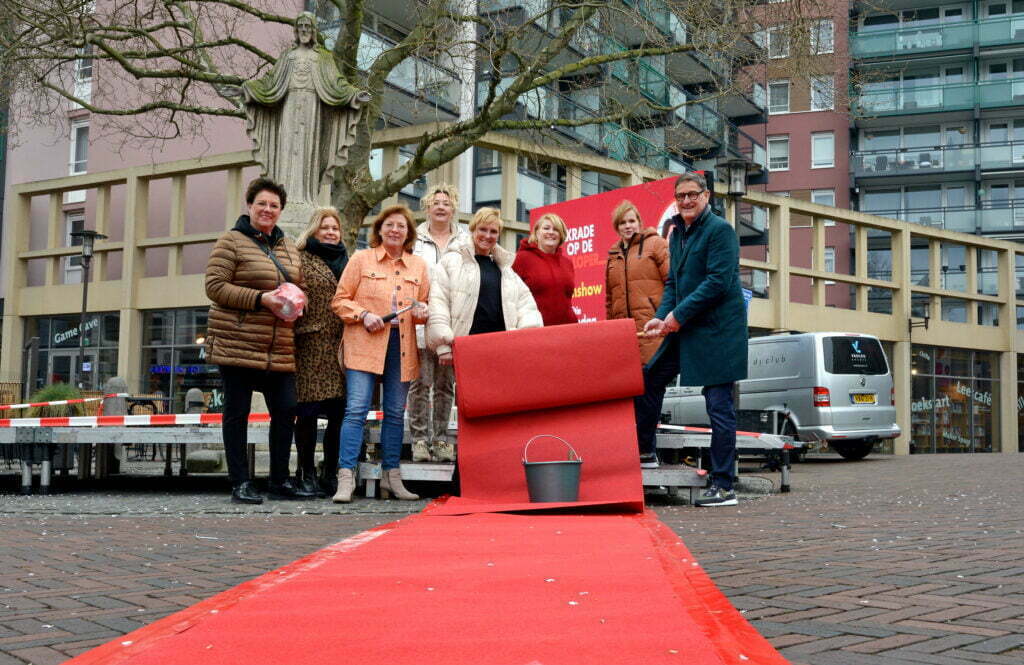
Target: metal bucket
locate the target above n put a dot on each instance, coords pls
(550, 482)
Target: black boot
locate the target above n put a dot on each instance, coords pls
(286, 491)
(329, 481)
(308, 483)
(245, 492)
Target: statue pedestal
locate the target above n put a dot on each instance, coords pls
(295, 217)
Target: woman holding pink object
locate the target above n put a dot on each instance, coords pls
(250, 335)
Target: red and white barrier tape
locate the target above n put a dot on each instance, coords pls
(137, 421)
(8, 407)
(707, 430)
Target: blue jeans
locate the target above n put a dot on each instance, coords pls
(359, 387)
(722, 413)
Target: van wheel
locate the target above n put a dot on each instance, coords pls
(854, 450)
(797, 454)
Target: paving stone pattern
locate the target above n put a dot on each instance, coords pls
(888, 561)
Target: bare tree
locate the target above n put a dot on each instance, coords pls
(540, 67)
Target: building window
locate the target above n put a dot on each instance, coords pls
(79, 147)
(778, 42)
(778, 153)
(73, 222)
(83, 74)
(778, 97)
(174, 358)
(822, 93)
(826, 197)
(822, 36)
(830, 262)
(823, 150)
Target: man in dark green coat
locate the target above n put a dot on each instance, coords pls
(703, 319)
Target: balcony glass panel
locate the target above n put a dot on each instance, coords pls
(1001, 155)
(1003, 216)
(1008, 92)
(914, 161)
(912, 39)
(890, 99)
(414, 75)
(950, 218)
(1008, 30)
(618, 68)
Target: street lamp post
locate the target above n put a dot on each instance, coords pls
(89, 238)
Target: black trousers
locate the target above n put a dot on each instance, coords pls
(305, 434)
(278, 389)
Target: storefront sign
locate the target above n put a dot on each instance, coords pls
(177, 369)
(72, 333)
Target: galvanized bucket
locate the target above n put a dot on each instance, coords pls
(557, 481)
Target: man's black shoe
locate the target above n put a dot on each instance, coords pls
(716, 496)
(246, 493)
(648, 460)
(288, 492)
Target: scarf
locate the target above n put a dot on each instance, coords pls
(335, 256)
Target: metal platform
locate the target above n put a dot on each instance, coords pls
(675, 437)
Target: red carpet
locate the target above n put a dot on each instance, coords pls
(574, 381)
(499, 589)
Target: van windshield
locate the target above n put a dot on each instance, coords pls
(854, 355)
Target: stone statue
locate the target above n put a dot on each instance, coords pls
(302, 119)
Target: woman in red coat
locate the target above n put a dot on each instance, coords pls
(546, 269)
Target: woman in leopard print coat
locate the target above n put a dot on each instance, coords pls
(319, 379)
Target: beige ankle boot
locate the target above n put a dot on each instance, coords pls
(346, 485)
(391, 483)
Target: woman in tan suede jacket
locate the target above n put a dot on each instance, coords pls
(635, 274)
(249, 339)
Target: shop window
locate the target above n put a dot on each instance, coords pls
(174, 358)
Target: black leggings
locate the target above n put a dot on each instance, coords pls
(305, 434)
(278, 389)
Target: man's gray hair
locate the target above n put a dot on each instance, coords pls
(690, 176)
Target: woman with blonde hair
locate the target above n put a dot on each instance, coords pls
(381, 297)
(318, 379)
(475, 290)
(635, 273)
(547, 270)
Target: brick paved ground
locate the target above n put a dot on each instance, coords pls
(887, 561)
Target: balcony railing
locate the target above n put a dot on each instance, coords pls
(913, 39)
(415, 75)
(995, 31)
(1002, 216)
(911, 161)
(895, 99)
(963, 219)
(625, 145)
(1001, 155)
(1005, 92)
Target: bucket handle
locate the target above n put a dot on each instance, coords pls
(526, 448)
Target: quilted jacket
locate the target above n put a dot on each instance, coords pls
(634, 281)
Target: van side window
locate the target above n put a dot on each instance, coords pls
(853, 355)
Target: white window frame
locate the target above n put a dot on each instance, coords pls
(781, 139)
(818, 31)
(84, 73)
(73, 263)
(827, 87)
(78, 126)
(781, 82)
(830, 192)
(817, 135)
(783, 43)
(829, 257)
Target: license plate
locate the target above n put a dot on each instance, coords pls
(863, 398)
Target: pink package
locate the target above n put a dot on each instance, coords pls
(294, 301)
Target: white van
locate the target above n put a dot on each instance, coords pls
(835, 387)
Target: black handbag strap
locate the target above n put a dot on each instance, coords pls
(270, 255)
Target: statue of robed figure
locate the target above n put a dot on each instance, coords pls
(301, 117)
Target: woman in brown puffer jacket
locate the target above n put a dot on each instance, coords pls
(249, 339)
(635, 274)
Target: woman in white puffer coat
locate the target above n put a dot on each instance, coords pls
(474, 290)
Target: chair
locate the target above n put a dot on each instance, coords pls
(924, 160)
(881, 163)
